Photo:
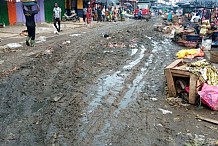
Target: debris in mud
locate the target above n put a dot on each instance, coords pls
(115, 45)
(207, 120)
(14, 45)
(106, 35)
(165, 111)
(66, 42)
(175, 101)
(48, 51)
(58, 97)
(199, 140)
(41, 39)
(72, 35)
(154, 99)
(8, 72)
(134, 40)
(133, 45)
(1, 62)
(24, 33)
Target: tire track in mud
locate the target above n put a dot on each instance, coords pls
(116, 91)
(30, 119)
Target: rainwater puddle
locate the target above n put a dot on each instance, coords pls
(134, 51)
(108, 83)
(139, 58)
(136, 87)
(113, 84)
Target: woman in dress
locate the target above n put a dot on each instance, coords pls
(89, 15)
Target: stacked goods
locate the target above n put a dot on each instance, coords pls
(29, 2)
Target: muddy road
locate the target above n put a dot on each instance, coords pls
(84, 89)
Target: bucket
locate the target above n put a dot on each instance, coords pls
(214, 56)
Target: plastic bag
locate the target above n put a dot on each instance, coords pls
(209, 96)
(184, 53)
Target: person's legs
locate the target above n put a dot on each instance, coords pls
(84, 18)
(33, 32)
(59, 25)
(55, 21)
(28, 37)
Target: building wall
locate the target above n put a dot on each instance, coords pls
(40, 17)
(4, 12)
(12, 12)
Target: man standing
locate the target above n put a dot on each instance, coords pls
(99, 12)
(84, 14)
(30, 24)
(57, 17)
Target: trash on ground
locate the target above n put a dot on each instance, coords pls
(41, 39)
(66, 42)
(207, 120)
(154, 99)
(1, 62)
(24, 33)
(14, 45)
(75, 35)
(165, 111)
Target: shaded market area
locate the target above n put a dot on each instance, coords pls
(121, 82)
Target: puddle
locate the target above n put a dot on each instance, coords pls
(111, 85)
(108, 83)
(134, 51)
(136, 86)
(135, 62)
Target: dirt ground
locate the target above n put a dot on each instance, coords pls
(84, 89)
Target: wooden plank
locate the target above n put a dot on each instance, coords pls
(183, 72)
(180, 75)
(208, 120)
(173, 64)
(182, 67)
(170, 83)
(192, 91)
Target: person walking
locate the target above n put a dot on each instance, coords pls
(140, 14)
(30, 24)
(99, 12)
(89, 15)
(57, 17)
(84, 14)
(103, 14)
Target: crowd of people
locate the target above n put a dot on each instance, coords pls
(101, 14)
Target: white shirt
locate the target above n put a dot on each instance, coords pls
(57, 12)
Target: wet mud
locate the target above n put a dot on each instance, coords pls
(85, 89)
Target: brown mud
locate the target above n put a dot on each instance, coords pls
(86, 89)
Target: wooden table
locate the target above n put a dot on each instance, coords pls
(178, 69)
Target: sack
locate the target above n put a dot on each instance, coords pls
(209, 96)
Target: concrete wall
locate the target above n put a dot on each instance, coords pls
(40, 17)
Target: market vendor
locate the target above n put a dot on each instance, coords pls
(206, 15)
(170, 16)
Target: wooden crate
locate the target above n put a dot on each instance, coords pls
(178, 69)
